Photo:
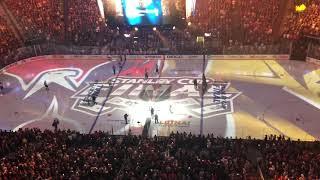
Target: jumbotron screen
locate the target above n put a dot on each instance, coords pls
(146, 12)
(142, 12)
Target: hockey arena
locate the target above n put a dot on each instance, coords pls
(245, 95)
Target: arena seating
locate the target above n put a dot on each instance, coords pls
(39, 19)
(242, 26)
(285, 159)
(8, 41)
(45, 20)
(253, 19)
(31, 153)
(85, 22)
(305, 23)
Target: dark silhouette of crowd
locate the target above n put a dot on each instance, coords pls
(286, 159)
(65, 154)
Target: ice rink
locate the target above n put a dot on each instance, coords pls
(259, 96)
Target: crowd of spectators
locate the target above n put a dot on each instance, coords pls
(38, 19)
(247, 22)
(8, 41)
(303, 23)
(235, 27)
(66, 154)
(258, 18)
(85, 23)
(150, 42)
(314, 51)
(285, 159)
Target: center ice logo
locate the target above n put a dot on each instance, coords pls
(169, 95)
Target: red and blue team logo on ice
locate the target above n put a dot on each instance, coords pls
(68, 73)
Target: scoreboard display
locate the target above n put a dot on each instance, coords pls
(146, 12)
(142, 12)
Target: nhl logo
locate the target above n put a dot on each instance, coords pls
(127, 93)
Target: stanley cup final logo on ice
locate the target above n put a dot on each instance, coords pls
(175, 94)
